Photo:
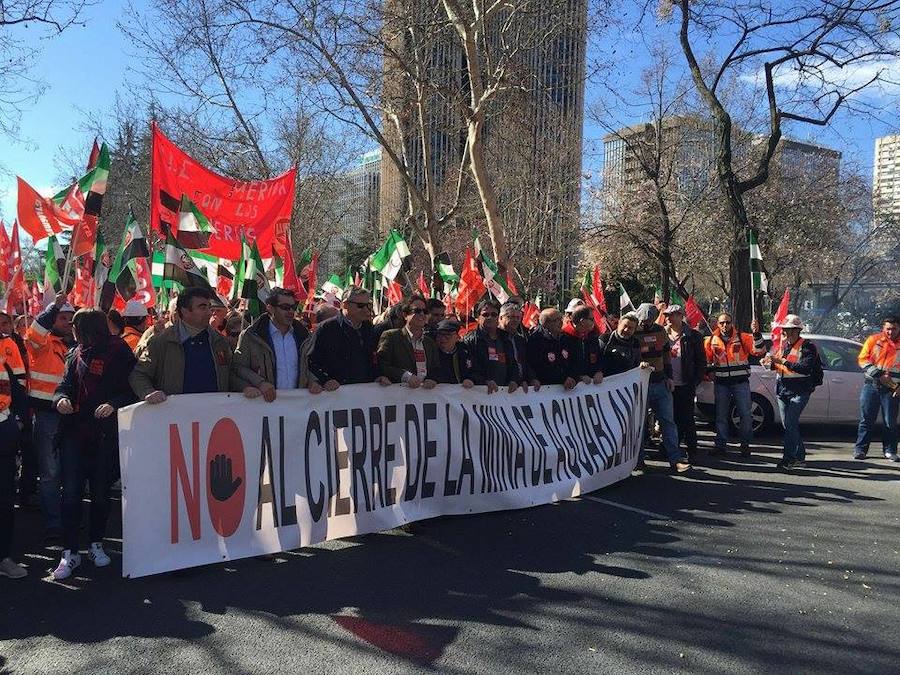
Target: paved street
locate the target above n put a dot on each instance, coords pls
(733, 568)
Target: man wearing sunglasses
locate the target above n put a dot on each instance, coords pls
(343, 348)
(268, 355)
(728, 353)
(494, 364)
(406, 355)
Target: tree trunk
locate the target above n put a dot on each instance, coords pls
(486, 193)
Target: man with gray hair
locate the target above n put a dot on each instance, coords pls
(549, 360)
(342, 350)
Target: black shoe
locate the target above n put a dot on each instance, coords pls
(785, 465)
(859, 455)
(718, 451)
(640, 466)
(53, 535)
(745, 450)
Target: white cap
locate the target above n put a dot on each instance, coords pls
(791, 321)
(573, 305)
(135, 309)
(67, 308)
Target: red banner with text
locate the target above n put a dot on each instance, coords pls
(258, 209)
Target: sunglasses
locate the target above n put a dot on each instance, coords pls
(287, 307)
(362, 305)
(489, 315)
(418, 310)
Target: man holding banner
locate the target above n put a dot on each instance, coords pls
(188, 357)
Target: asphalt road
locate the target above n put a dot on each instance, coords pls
(733, 568)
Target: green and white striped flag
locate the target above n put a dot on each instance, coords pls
(194, 229)
(625, 304)
(389, 258)
(180, 267)
(758, 280)
(208, 264)
(133, 245)
(255, 284)
(239, 270)
(494, 282)
(54, 265)
(334, 286)
(444, 268)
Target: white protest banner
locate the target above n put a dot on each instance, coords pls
(213, 477)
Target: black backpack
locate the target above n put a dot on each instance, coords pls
(817, 376)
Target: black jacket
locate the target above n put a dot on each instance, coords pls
(499, 366)
(787, 387)
(693, 357)
(340, 352)
(520, 353)
(618, 355)
(551, 362)
(455, 367)
(585, 351)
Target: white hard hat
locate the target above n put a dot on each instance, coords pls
(135, 309)
(574, 304)
(67, 308)
(791, 321)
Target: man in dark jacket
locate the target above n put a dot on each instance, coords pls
(342, 350)
(269, 352)
(620, 351)
(581, 339)
(688, 369)
(510, 325)
(454, 360)
(795, 362)
(549, 361)
(406, 355)
(493, 362)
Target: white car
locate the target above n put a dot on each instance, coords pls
(835, 401)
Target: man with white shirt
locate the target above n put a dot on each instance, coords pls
(268, 355)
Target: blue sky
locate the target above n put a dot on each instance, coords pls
(85, 67)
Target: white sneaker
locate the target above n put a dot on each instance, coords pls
(68, 563)
(98, 555)
(10, 568)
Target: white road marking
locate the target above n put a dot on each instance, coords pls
(649, 514)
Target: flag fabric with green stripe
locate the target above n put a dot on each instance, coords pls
(239, 270)
(625, 303)
(494, 282)
(179, 266)
(444, 268)
(54, 265)
(254, 284)
(334, 286)
(194, 229)
(133, 246)
(389, 258)
(758, 280)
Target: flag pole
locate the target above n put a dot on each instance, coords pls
(68, 267)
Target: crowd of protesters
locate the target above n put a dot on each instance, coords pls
(66, 374)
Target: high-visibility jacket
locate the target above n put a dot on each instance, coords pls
(11, 366)
(728, 359)
(132, 336)
(47, 358)
(880, 355)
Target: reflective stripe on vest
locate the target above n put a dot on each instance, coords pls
(885, 360)
(791, 359)
(728, 363)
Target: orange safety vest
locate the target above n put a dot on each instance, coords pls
(47, 355)
(791, 359)
(729, 359)
(132, 336)
(11, 365)
(882, 353)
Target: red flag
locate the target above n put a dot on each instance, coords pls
(423, 286)
(599, 320)
(309, 278)
(471, 286)
(780, 314)
(283, 247)
(16, 290)
(510, 284)
(39, 216)
(95, 155)
(4, 254)
(692, 313)
(597, 291)
(530, 314)
(394, 293)
(256, 209)
(83, 290)
(144, 283)
(84, 236)
(36, 304)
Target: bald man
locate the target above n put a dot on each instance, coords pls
(549, 360)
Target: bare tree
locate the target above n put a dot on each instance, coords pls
(805, 56)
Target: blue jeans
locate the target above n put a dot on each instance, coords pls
(740, 393)
(46, 423)
(873, 399)
(791, 409)
(659, 399)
